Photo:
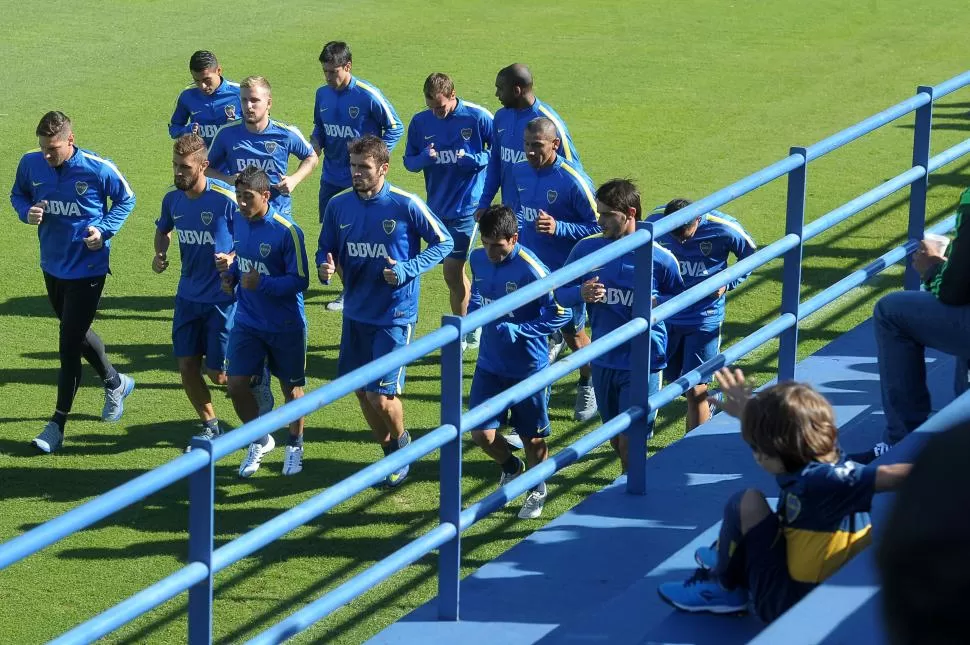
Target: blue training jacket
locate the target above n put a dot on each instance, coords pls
(210, 113)
(86, 190)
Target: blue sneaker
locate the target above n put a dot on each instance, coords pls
(701, 593)
(114, 400)
(706, 557)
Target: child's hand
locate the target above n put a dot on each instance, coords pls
(734, 391)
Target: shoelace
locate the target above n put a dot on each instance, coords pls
(700, 575)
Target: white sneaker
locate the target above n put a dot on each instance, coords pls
(337, 304)
(533, 506)
(513, 439)
(585, 408)
(556, 343)
(473, 339)
(254, 457)
(293, 460)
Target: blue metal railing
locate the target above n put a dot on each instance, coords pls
(199, 465)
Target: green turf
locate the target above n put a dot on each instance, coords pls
(684, 97)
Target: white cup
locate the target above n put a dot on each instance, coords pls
(937, 242)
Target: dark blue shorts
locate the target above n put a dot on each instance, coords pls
(530, 417)
(327, 191)
(612, 388)
(687, 348)
(772, 589)
(202, 329)
(285, 352)
(361, 343)
(463, 231)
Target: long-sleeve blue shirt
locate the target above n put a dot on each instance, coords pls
(342, 115)
(205, 227)
(274, 248)
(363, 234)
(235, 147)
(453, 180)
(509, 149)
(565, 193)
(703, 255)
(525, 349)
(210, 113)
(86, 190)
(618, 277)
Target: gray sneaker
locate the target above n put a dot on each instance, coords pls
(533, 506)
(50, 439)
(337, 304)
(585, 408)
(114, 400)
(514, 440)
(207, 433)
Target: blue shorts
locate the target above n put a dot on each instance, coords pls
(282, 204)
(361, 343)
(285, 352)
(529, 418)
(327, 191)
(612, 388)
(578, 321)
(463, 231)
(687, 348)
(202, 329)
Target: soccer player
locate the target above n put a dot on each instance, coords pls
(702, 247)
(270, 267)
(373, 233)
(770, 559)
(345, 108)
(557, 209)
(208, 104)
(78, 202)
(203, 210)
(609, 292)
(257, 140)
(514, 90)
(513, 348)
(451, 143)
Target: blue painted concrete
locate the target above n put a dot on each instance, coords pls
(590, 575)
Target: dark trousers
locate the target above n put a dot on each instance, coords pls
(75, 302)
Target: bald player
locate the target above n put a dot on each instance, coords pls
(513, 88)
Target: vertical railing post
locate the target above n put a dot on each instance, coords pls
(201, 528)
(636, 476)
(449, 555)
(917, 190)
(791, 288)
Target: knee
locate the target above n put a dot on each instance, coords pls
(378, 401)
(752, 508)
(480, 438)
(697, 394)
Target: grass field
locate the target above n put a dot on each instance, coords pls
(684, 97)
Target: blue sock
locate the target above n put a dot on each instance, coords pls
(211, 424)
(296, 441)
(541, 488)
(263, 441)
(512, 466)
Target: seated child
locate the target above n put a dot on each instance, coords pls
(772, 559)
